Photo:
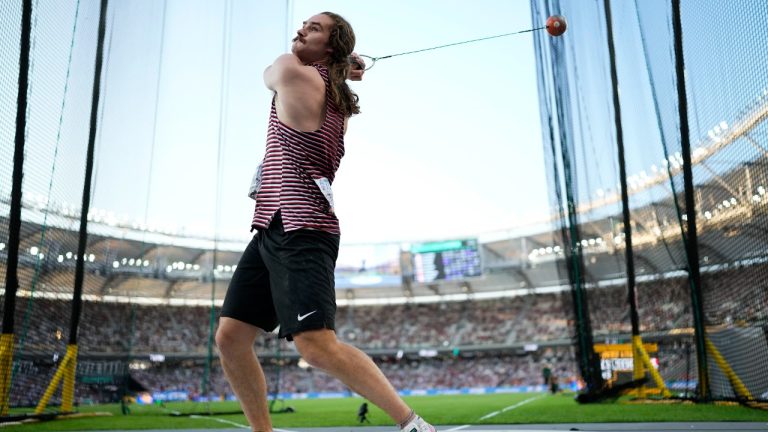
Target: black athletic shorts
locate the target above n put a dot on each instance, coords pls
(285, 278)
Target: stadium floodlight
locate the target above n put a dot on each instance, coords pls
(146, 263)
(708, 214)
(733, 201)
(2, 246)
(131, 261)
(33, 250)
(196, 267)
(188, 266)
(169, 269)
(60, 258)
(91, 258)
(69, 255)
(761, 190)
(41, 256)
(756, 198)
(115, 264)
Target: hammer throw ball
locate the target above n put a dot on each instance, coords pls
(556, 25)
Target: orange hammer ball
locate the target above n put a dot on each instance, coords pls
(556, 25)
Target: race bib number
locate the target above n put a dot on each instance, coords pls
(255, 182)
(325, 188)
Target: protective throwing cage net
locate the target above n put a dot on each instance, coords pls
(725, 53)
(62, 49)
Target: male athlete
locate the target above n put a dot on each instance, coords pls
(286, 274)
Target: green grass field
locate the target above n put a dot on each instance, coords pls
(441, 410)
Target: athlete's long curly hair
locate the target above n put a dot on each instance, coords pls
(342, 42)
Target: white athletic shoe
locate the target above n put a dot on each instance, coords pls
(418, 425)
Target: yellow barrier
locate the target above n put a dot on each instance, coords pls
(6, 367)
(738, 385)
(638, 372)
(66, 371)
(640, 352)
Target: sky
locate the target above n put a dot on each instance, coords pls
(448, 144)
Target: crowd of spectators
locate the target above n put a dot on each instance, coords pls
(408, 372)
(195, 378)
(732, 298)
(663, 304)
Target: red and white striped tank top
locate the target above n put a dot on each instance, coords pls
(296, 166)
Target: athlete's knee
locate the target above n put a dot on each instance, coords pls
(231, 337)
(226, 339)
(316, 347)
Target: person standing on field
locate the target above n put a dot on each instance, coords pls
(285, 276)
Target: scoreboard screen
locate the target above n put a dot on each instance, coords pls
(445, 260)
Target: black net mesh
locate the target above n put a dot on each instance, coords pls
(729, 99)
(725, 65)
(62, 50)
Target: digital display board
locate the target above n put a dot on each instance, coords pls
(617, 360)
(445, 260)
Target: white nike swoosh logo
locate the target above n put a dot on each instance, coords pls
(301, 317)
